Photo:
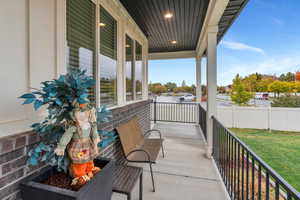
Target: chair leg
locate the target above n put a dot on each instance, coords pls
(141, 187)
(129, 196)
(151, 172)
(162, 150)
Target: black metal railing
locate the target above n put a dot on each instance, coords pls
(202, 120)
(246, 175)
(174, 112)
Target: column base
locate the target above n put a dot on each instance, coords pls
(209, 152)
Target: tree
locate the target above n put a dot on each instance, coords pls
(178, 90)
(157, 88)
(297, 76)
(186, 89)
(221, 89)
(279, 87)
(289, 77)
(295, 87)
(170, 86)
(238, 93)
(183, 84)
(250, 82)
(263, 84)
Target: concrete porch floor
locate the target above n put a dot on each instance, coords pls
(185, 172)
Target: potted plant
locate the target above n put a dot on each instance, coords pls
(69, 142)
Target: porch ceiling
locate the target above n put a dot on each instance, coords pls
(231, 12)
(185, 25)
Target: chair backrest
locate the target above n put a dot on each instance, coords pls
(131, 135)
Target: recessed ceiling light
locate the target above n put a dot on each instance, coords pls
(168, 15)
(102, 24)
(174, 42)
(127, 45)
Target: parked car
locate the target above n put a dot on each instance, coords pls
(262, 96)
(187, 97)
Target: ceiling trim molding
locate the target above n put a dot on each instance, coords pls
(214, 13)
(172, 55)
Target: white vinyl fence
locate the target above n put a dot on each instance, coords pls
(285, 119)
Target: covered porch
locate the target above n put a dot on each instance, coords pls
(113, 40)
(185, 172)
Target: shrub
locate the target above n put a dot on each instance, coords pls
(286, 101)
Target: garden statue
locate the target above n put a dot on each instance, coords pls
(69, 138)
(81, 141)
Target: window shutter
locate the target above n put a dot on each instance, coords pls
(108, 58)
(81, 36)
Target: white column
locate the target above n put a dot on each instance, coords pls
(211, 84)
(121, 64)
(61, 37)
(145, 74)
(198, 79)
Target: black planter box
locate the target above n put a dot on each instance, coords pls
(98, 188)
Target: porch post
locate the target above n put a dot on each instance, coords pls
(211, 84)
(198, 79)
(145, 79)
(133, 71)
(121, 71)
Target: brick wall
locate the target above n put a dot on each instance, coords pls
(13, 149)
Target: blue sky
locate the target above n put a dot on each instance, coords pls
(265, 39)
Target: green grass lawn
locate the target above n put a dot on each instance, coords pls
(280, 149)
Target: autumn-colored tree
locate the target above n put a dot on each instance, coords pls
(158, 89)
(187, 89)
(221, 89)
(280, 87)
(170, 86)
(239, 95)
(250, 82)
(295, 87)
(263, 84)
(297, 76)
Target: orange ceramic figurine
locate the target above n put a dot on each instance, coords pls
(81, 142)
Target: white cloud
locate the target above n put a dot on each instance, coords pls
(277, 21)
(241, 46)
(275, 65)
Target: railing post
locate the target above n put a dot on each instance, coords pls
(199, 115)
(154, 108)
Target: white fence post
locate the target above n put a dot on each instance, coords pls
(269, 118)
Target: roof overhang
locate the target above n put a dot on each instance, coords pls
(189, 25)
(172, 55)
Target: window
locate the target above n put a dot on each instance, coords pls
(108, 58)
(81, 37)
(138, 70)
(129, 69)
